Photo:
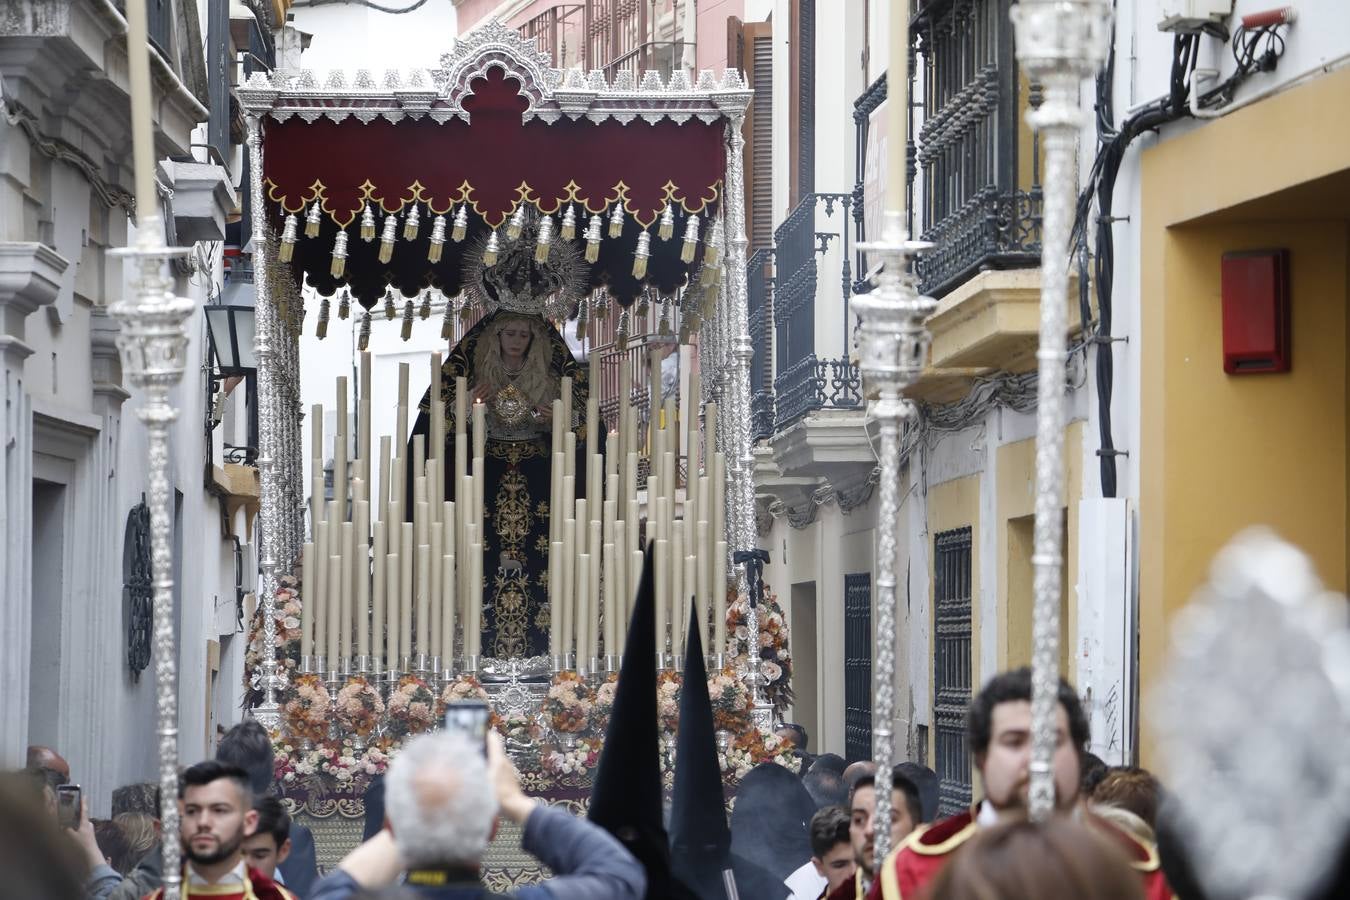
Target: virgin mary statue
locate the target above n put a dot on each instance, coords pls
(513, 361)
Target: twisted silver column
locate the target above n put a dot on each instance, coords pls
(1059, 43)
(269, 677)
(892, 346)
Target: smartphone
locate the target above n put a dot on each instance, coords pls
(469, 717)
(68, 806)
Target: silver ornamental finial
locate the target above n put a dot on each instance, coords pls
(1253, 723)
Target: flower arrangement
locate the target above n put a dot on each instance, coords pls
(731, 702)
(286, 614)
(412, 707)
(576, 763)
(465, 687)
(330, 768)
(516, 727)
(307, 711)
(359, 707)
(774, 645)
(604, 703)
(752, 747)
(568, 703)
(668, 700)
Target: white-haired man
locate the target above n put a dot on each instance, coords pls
(441, 804)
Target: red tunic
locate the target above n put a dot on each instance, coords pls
(920, 857)
(257, 886)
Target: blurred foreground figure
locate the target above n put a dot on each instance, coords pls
(1058, 860)
(37, 861)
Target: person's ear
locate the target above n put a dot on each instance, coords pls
(283, 851)
(820, 866)
(250, 822)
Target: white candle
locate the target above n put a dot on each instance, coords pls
(345, 614)
(340, 451)
(569, 542)
(718, 489)
(434, 587)
(363, 413)
(479, 430)
(662, 594)
(476, 608)
(423, 643)
(654, 400)
(436, 439)
(583, 610)
(447, 604)
(407, 561)
(334, 606)
(709, 431)
(678, 601)
(583, 526)
(622, 600)
(307, 599)
(636, 560)
(461, 407)
(720, 597)
(361, 572)
(703, 580)
(401, 432)
(565, 393)
(689, 603)
(319, 594)
(592, 620)
(393, 569)
(382, 490)
(613, 616)
(377, 612)
(897, 109)
(555, 598)
(479, 480)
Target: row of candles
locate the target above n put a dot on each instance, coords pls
(382, 594)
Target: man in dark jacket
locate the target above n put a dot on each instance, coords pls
(442, 799)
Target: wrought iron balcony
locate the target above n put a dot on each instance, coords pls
(814, 384)
(979, 165)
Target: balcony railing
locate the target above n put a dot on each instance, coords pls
(814, 384)
(979, 168)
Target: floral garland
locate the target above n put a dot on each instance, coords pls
(731, 701)
(603, 704)
(286, 614)
(336, 767)
(574, 764)
(359, 707)
(774, 650)
(668, 683)
(568, 703)
(412, 707)
(752, 747)
(307, 713)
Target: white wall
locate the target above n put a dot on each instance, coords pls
(351, 37)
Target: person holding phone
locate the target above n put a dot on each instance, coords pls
(443, 796)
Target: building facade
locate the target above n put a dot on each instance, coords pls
(77, 663)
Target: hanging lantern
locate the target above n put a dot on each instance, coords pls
(387, 238)
(437, 240)
(367, 224)
(544, 240)
(321, 329)
(616, 220)
(644, 252)
(407, 320)
(490, 253)
(363, 337)
(714, 251)
(312, 220)
(461, 223)
(412, 224)
(287, 248)
(569, 223)
(425, 312)
(339, 254)
(344, 303)
(667, 230)
(593, 239)
(390, 310)
(517, 223)
(690, 238)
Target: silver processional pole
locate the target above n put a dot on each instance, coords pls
(1059, 43)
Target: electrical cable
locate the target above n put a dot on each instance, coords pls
(375, 6)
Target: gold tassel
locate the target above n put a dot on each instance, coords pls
(363, 339)
(643, 307)
(390, 310)
(616, 220)
(667, 230)
(425, 312)
(690, 238)
(644, 252)
(663, 329)
(407, 320)
(490, 253)
(412, 224)
(621, 337)
(544, 240)
(312, 220)
(287, 248)
(593, 239)
(517, 223)
(714, 251)
(387, 238)
(344, 303)
(581, 320)
(569, 223)
(447, 320)
(339, 254)
(437, 240)
(461, 223)
(321, 329)
(367, 224)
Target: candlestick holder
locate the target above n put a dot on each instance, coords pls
(405, 663)
(663, 660)
(361, 665)
(334, 683)
(434, 673)
(376, 668)
(559, 662)
(320, 666)
(716, 662)
(612, 662)
(307, 665)
(421, 665)
(471, 663)
(594, 671)
(391, 679)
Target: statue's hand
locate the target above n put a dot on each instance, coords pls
(480, 393)
(543, 415)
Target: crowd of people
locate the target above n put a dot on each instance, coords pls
(804, 836)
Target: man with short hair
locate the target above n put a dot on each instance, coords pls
(269, 845)
(248, 746)
(831, 862)
(48, 760)
(999, 726)
(215, 802)
(442, 798)
(905, 815)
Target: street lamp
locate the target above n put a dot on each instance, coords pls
(230, 326)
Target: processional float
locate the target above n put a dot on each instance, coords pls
(384, 194)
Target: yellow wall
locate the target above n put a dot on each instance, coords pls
(1016, 505)
(1221, 452)
(955, 504)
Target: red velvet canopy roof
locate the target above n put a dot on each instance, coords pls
(492, 162)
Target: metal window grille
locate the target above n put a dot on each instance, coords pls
(759, 286)
(218, 65)
(806, 97)
(858, 666)
(159, 21)
(952, 668)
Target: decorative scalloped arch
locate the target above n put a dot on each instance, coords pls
(496, 45)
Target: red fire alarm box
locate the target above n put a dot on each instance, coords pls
(1256, 331)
